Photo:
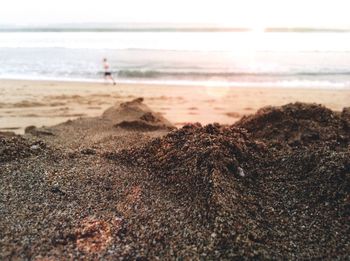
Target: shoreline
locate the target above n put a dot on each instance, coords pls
(32, 102)
(196, 83)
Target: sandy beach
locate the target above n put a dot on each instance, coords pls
(143, 172)
(45, 103)
(127, 184)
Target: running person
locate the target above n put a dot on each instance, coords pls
(107, 71)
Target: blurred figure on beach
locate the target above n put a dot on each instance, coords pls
(107, 72)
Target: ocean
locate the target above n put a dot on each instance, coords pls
(255, 58)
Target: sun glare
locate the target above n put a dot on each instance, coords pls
(257, 29)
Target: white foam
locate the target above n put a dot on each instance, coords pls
(208, 83)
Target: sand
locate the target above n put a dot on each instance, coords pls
(123, 183)
(40, 103)
(275, 185)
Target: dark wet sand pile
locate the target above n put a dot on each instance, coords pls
(274, 185)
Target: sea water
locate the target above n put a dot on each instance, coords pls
(254, 58)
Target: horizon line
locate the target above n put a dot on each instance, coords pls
(165, 29)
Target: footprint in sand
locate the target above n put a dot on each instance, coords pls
(233, 114)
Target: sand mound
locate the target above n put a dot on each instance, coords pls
(259, 200)
(297, 124)
(123, 124)
(135, 115)
(13, 147)
(189, 159)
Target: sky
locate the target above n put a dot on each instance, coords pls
(235, 13)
